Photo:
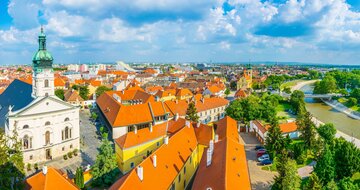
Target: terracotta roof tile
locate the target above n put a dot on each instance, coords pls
(170, 158)
(227, 127)
(54, 179)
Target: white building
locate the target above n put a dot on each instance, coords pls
(48, 127)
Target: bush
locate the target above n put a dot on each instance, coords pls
(36, 166)
(352, 102)
(301, 159)
(70, 154)
(28, 167)
(65, 157)
(75, 152)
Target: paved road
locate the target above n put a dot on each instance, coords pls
(260, 179)
(89, 147)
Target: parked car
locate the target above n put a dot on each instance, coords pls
(258, 147)
(266, 162)
(264, 157)
(260, 153)
(263, 149)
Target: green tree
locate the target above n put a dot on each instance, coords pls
(352, 102)
(331, 185)
(287, 90)
(327, 85)
(233, 85)
(347, 184)
(101, 89)
(227, 92)
(325, 167)
(191, 113)
(94, 116)
(11, 161)
(313, 183)
(297, 101)
(327, 132)
(84, 92)
(355, 93)
(347, 158)
(60, 94)
(19, 69)
(307, 128)
(313, 74)
(105, 170)
(274, 141)
(288, 178)
(79, 178)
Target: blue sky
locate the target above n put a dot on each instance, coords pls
(316, 31)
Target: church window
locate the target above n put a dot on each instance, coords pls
(63, 148)
(47, 123)
(47, 94)
(31, 157)
(26, 126)
(47, 137)
(62, 135)
(26, 142)
(67, 119)
(66, 132)
(70, 132)
(71, 146)
(46, 83)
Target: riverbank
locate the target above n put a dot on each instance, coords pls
(338, 134)
(341, 108)
(299, 85)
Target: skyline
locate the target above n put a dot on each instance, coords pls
(318, 31)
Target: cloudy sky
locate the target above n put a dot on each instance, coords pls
(316, 31)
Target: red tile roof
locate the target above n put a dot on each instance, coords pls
(227, 127)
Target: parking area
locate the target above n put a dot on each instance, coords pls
(260, 179)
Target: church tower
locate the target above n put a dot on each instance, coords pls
(43, 74)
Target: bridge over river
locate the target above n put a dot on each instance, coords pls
(308, 95)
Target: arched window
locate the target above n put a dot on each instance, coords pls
(66, 132)
(47, 123)
(26, 142)
(67, 119)
(46, 83)
(25, 126)
(47, 137)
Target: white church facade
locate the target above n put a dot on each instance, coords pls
(47, 126)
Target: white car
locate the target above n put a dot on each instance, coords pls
(264, 157)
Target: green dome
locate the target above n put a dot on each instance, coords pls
(42, 58)
(42, 55)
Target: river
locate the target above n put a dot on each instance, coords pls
(327, 114)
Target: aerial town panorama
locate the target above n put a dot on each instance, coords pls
(165, 95)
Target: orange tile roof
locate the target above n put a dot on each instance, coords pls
(228, 169)
(214, 89)
(286, 127)
(134, 94)
(2, 90)
(165, 93)
(204, 133)
(54, 179)
(27, 79)
(59, 82)
(227, 127)
(209, 103)
(143, 135)
(153, 89)
(240, 93)
(118, 72)
(95, 83)
(134, 88)
(72, 95)
(170, 159)
(183, 92)
(260, 126)
(151, 71)
(124, 115)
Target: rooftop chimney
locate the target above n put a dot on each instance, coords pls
(166, 140)
(208, 157)
(135, 129)
(176, 117)
(154, 160)
(211, 146)
(140, 172)
(216, 138)
(122, 91)
(198, 124)
(187, 123)
(44, 170)
(151, 127)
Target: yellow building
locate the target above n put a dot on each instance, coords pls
(133, 147)
(166, 95)
(174, 164)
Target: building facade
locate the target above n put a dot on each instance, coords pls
(47, 126)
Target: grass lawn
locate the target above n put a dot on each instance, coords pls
(282, 113)
(291, 83)
(344, 102)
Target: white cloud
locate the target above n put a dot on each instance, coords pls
(24, 13)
